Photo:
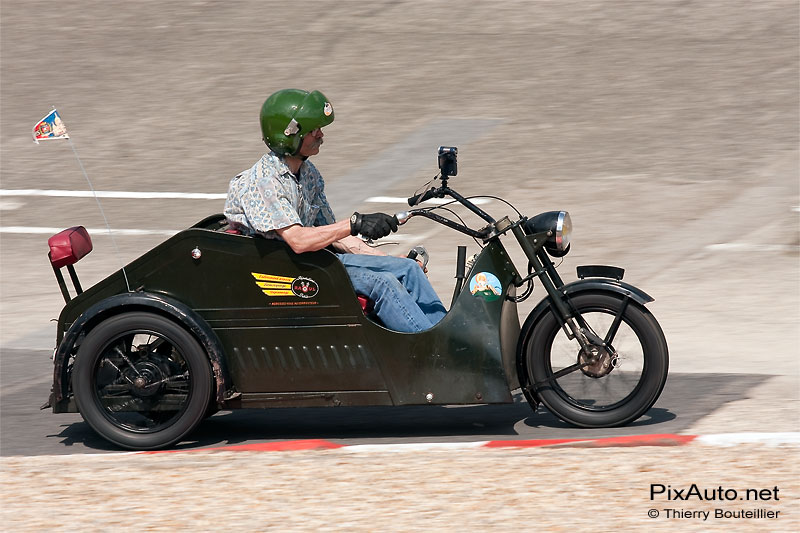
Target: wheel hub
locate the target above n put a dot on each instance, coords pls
(146, 377)
(600, 362)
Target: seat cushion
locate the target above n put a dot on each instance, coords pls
(366, 304)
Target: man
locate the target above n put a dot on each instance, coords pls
(282, 196)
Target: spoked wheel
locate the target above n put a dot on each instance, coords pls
(601, 387)
(141, 381)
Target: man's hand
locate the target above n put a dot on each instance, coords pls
(374, 225)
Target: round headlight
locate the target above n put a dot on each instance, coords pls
(557, 225)
(563, 231)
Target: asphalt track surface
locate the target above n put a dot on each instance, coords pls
(24, 430)
(669, 131)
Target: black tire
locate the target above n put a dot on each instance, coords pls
(141, 381)
(212, 408)
(599, 396)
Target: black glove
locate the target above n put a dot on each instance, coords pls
(373, 226)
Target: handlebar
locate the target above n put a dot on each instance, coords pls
(419, 198)
(444, 190)
(441, 192)
(403, 217)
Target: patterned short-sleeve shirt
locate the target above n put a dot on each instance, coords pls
(268, 197)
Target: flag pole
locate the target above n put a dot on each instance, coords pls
(108, 226)
(51, 127)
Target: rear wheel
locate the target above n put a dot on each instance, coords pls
(141, 381)
(603, 387)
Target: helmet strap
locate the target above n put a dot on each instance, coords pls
(296, 152)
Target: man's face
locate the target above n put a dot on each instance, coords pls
(311, 143)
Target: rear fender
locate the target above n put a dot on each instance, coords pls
(583, 285)
(136, 301)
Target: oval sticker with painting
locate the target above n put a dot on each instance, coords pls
(485, 285)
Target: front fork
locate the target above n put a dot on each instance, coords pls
(573, 324)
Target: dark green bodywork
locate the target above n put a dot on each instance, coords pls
(290, 351)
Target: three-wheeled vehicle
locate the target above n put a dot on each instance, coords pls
(211, 320)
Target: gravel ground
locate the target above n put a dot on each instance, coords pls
(336, 490)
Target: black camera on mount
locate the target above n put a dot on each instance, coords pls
(448, 161)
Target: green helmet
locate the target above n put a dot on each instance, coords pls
(288, 115)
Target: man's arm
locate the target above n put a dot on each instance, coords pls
(302, 239)
(354, 245)
(308, 239)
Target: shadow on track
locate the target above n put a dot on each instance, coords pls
(686, 399)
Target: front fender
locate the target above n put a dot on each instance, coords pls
(130, 301)
(582, 285)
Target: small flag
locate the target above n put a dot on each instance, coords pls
(49, 128)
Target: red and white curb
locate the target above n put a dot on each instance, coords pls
(668, 439)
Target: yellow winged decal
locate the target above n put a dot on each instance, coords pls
(270, 277)
(273, 285)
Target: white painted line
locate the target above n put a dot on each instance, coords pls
(94, 232)
(732, 439)
(746, 247)
(722, 440)
(396, 239)
(113, 194)
(8, 205)
(143, 195)
(436, 201)
(128, 195)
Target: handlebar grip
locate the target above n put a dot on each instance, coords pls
(419, 198)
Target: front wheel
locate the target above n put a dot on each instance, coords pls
(605, 387)
(141, 381)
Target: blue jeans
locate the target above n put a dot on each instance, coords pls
(404, 298)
